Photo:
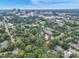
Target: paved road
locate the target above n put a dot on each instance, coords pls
(6, 29)
(11, 37)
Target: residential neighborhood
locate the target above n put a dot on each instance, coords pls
(39, 34)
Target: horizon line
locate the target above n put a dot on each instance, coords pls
(39, 8)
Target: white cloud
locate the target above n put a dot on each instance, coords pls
(57, 4)
(41, 1)
(53, 1)
(35, 1)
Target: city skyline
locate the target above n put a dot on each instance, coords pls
(39, 4)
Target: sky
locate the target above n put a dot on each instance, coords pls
(39, 4)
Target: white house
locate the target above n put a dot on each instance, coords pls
(67, 54)
(48, 33)
(48, 30)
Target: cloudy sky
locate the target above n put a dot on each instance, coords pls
(40, 4)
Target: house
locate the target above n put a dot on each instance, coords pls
(35, 25)
(1, 24)
(15, 51)
(48, 30)
(11, 27)
(58, 48)
(76, 46)
(41, 33)
(42, 22)
(48, 33)
(60, 36)
(67, 54)
(5, 44)
(60, 22)
(46, 37)
(28, 25)
(52, 38)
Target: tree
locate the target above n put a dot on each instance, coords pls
(39, 51)
(53, 43)
(8, 55)
(61, 53)
(34, 31)
(29, 55)
(6, 36)
(32, 38)
(2, 30)
(10, 46)
(74, 55)
(65, 45)
(44, 55)
(56, 33)
(48, 44)
(21, 53)
(20, 44)
(53, 54)
(28, 48)
(39, 42)
(27, 34)
(2, 49)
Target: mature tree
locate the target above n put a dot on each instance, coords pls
(39, 42)
(53, 43)
(10, 46)
(44, 55)
(74, 55)
(32, 38)
(65, 45)
(53, 54)
(2, 30)
(34, 31)
(4, 36)
(28, 48)
(9, 55)
(21, 53)
(20, 44)
(29, 55)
